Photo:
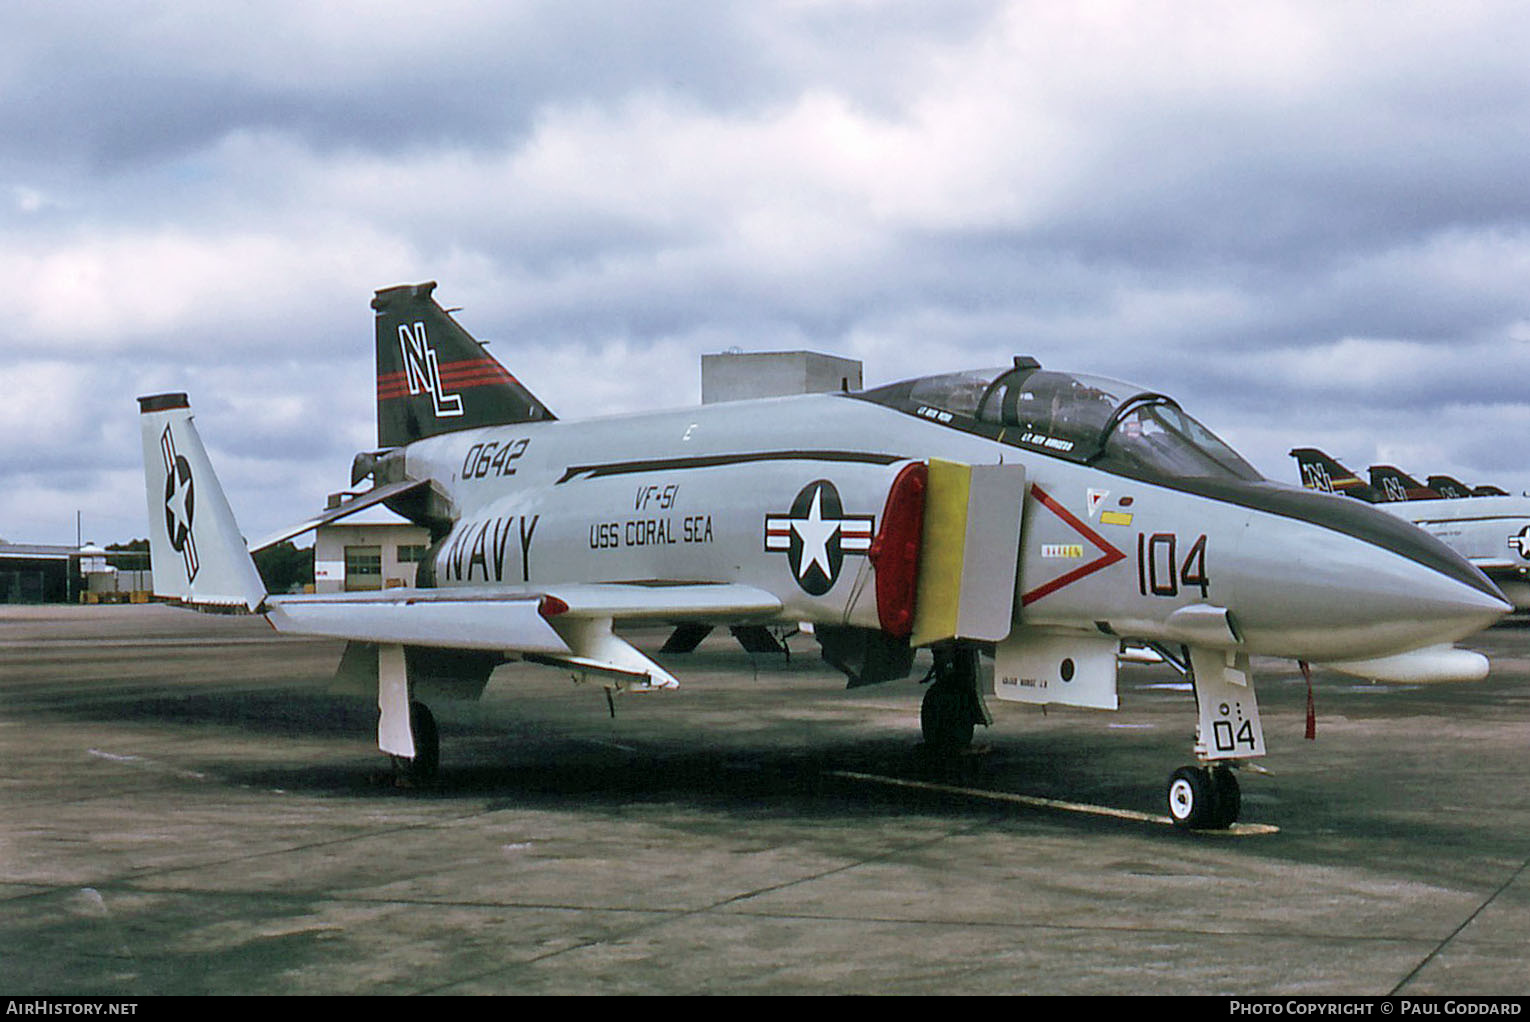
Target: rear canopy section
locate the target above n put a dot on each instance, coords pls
(433, 377)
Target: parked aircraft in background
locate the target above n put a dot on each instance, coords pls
(1492, 530)
(1036, 517)
(1446, 486)
(1395, 484)
(1324, 474)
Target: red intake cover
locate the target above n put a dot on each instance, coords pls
(894, 552)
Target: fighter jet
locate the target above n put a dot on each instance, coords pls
(1492, 530)
(1023, 524)
(1324, 474)
(1447, 486)
(1399, 485)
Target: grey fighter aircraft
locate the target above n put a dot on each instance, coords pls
(1448, 486)
(1399, 485)
(1021, 517)
(1491, 530)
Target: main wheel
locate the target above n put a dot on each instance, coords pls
(423, 768)
(944, 719)
(1192, 798)
(1227, 798)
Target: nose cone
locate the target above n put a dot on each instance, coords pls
(1342, 580)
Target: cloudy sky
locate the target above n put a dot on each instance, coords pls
(1308, 221)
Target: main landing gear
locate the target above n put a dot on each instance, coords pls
(953, 704)
(421, 771)
(1204, 798)
(406, 676)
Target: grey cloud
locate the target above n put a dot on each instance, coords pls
(109, 87)
(1193, 236)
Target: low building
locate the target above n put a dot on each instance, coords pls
(34, 573)
(103, 582)
(737, 376)
(374, 549)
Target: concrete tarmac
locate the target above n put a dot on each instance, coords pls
(185, 808)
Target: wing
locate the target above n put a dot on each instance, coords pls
(564, 624)
(371, 498)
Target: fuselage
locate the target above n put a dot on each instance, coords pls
(786, 494)
(1491, 532)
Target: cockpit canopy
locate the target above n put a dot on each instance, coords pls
(1087, 419)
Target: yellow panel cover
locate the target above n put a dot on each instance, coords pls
(942, 552)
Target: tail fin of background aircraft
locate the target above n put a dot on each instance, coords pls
(1395, 484)
(433, 377)
(1320, 472)
(1449, 487)
(195, 549)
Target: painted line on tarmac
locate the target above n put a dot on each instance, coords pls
(1236, 830)
(146, 764)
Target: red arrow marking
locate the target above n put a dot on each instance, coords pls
(1108, 554)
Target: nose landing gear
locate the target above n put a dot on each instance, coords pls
(1207, 797)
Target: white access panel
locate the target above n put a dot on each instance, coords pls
(1066, 670)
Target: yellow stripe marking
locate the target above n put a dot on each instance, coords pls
(1236, 830)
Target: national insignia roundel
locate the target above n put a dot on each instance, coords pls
(180, 502)
(1521, 542)
(816, 535)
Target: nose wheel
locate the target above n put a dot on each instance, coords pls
(1204, 798)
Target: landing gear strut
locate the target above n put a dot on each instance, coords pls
(1204, 798)
(953, 704)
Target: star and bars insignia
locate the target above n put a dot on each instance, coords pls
(1521, 542)
(816, 535)
(180, 503)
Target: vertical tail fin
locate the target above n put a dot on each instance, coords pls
(1450, 487)
(1395, 484)
(195, 549)
(433, 377)
(1320, 472)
